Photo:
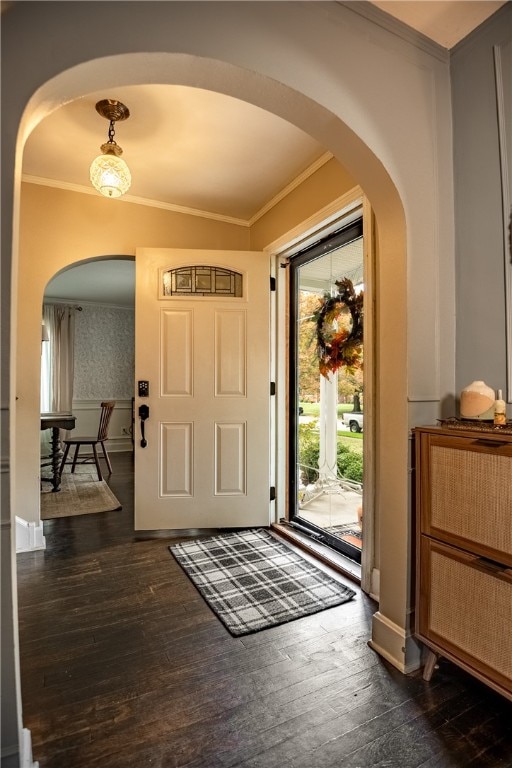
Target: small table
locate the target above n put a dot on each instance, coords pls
(56, 422)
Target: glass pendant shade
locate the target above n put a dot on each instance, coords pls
(110, 175)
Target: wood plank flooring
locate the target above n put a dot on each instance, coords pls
(123, 664)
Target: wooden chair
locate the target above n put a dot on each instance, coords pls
(106, 412)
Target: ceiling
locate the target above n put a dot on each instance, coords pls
(185, 147)
(209, 154)
(446, 22)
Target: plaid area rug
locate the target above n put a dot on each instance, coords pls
(252, 581)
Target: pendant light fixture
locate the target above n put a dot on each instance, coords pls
(109, 173)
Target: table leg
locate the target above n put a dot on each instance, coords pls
(56, 459)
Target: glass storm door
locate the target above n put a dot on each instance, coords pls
(326, 419)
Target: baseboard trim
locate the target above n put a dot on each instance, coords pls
(26, 750)
(395, 644)
(29, 536)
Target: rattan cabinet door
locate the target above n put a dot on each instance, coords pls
(465, 611)
(466, 494)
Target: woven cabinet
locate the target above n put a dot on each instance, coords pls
(464, 550)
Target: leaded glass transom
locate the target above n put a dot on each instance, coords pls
(202, 281)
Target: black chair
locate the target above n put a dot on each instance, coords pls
(106, 412)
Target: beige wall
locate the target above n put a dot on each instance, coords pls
(328, 183)
(59, 228)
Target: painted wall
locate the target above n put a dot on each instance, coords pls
(481, 352)
(380, 103)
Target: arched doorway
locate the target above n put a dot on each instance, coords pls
(384, 193)
(304, 95)
(99, 297)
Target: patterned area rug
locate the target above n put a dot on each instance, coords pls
(252, 581)
(80, 493)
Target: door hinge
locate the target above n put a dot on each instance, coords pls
(272, 493)
(272, 283)
(272, 387)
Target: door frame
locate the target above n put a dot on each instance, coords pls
(305, 233)
(347, 233)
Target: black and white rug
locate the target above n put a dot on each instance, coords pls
(252, 581)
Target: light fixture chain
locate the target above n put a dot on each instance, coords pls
(111, 132)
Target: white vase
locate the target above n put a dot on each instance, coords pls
(477, 402)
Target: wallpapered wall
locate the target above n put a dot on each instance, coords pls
(104, 353)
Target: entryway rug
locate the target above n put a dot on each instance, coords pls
(81, 493)
(252, 581)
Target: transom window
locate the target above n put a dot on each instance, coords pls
(202, 281)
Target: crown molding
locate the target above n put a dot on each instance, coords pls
(313, 168)
(479, 32)
(396, 27)
(86, 190)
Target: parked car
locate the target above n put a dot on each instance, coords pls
(354, 421)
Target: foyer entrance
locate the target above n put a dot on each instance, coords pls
(327, 408)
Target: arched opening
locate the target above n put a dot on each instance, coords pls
(338, 138)
(88, 316)
(336, 135)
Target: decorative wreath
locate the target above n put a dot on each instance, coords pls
(339, 347)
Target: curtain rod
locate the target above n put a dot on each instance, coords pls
(63, 304)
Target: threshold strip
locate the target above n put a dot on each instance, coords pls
(335, 560)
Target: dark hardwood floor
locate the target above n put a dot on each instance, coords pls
(123, 664)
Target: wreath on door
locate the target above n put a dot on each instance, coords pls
(337, 347)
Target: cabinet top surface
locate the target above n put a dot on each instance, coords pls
(480, 431)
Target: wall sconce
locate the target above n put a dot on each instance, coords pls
(109, 173)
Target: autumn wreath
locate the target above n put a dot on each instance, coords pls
(339, 346)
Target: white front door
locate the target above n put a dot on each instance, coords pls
(205, 355)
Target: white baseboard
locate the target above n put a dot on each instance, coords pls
(29, 536)
(26, 750)
(395, 644)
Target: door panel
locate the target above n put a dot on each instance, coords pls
(176, 353)
(206, 463)
(230, 353)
